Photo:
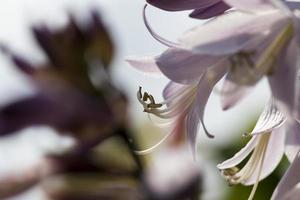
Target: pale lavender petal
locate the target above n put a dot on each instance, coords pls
(208, 12)
(289, 180)
(205, 87)
(270, 119)
(282, 81)
(231, 94)
(251, 6)
(172, 89)
(292, 145)
(177, 5)
(192, 125)
(220, 36)
(183, 66)
(293, 194)
(241, 155)
(273, 156)
(144, 64)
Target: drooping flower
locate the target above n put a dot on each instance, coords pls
(270, 140)
(203, 9)
(261, 42)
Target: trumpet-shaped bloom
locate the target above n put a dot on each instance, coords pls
(261, 42)
(267, 146)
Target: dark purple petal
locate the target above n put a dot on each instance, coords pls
(177, 5)
(211, 11)
(64, 110)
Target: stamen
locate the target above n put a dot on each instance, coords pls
(235, 175)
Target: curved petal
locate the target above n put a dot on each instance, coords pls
(172, 89)
(293, 194)
(183, 66)
(144, 64)
(177, 5)
(211, 11)
(270, 119)
(232, 93)
(220, 36)
(205, 87)
(192, 125)
(251, 6)
(241, 155)
(282, 81)
(292, 145)
(288, 181)
(61, 109)
(273, 156)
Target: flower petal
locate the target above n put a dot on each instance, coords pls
(219, 36)
(192, 125)
(273, 156)
(65, 110)
(176, 5)
(183, 66)
(144, 64)
(211, 11)
(232, 93)
(172, 88)
(205, 87)
(252, 6)
(270, 119)
(289, 180)
(282, 81)
(293, 194)
(292, 145)
(239, 156)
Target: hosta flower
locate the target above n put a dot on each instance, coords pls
(270, 140)
(256, 40)
(202, 8)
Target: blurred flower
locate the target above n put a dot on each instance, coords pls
(203, 9)
(74, 94)
(164, 181)
(66, 98)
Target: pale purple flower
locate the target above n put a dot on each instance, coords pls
(267, 145)
(203, 9)
(163, 179)
(257, 39)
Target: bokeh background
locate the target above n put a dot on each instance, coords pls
(124, 21)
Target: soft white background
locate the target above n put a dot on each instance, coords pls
(124, 20)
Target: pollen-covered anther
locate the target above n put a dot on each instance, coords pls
(148, 101)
